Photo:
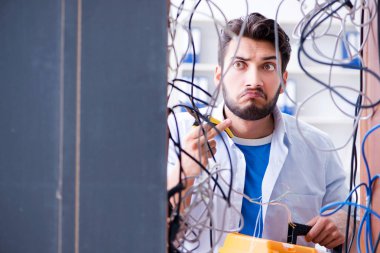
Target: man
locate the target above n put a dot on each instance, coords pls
(266, 158)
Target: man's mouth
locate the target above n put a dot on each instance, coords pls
(253, 94)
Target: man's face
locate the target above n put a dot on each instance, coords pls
(251, 86)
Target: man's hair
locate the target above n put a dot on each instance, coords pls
(259, 28)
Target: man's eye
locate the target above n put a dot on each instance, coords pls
(239, 65)
(269, 67)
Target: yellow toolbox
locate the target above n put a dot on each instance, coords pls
(239, 243)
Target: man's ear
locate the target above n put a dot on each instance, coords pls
(284, 80)
(217, 75)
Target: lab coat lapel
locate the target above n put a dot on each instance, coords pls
(277, 157)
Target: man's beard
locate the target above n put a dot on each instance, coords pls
(252, 111)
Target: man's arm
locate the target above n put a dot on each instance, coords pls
(328, 231)
(199, 145)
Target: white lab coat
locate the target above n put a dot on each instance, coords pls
(310, 177)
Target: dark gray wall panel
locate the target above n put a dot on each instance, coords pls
(29, 53)
(122, 188)
(123, 93)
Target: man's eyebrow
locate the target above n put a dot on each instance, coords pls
(272, 57)
(265, 58)
(240, 58)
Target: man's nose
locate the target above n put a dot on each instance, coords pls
(253, 78)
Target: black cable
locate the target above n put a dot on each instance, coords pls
(194, 56)
(303, 38)
(205, 119)
(377, 243)
(193, 84)
(353, 165)
(352, 184)
(189, 95)
(211, 237)
(175, 223)
(369, 204)
(369, 238)
(177, 144)
(354, 161)
(358, 106)
(174, 226)
(211, 240)
(200, 165)
(180, 9)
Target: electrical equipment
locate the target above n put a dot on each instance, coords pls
(239, 243)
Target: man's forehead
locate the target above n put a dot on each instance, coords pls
(249, 48)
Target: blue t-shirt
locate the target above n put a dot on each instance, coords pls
(256, 153)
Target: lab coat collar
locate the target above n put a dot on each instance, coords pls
(277, 158)
(280, 126)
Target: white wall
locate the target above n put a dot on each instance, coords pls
(289, 11)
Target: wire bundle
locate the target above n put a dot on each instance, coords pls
(318, 23)
(216, 182)
(323, 15)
